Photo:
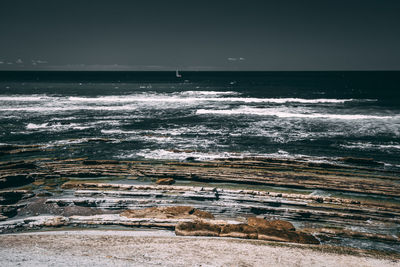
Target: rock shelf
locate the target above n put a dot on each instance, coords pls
(326, 202)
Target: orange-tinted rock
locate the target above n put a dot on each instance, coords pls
(305, 238)
(202, 214)
(55, 222)
(197, 228)
(174, 212)
(278, 230)
(165, 181)
(238, 230)
(276, 224)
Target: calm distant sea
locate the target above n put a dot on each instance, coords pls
(205, 115)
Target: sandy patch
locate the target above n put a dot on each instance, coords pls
(160, 248)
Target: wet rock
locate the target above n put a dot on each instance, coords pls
(16, 149)
(362, 161)
(5, 148)
(189, 159)
(100, 162)
(18, 165)
(41, 206)
(311, 210)
(327, 233)
(306, 238)
(175, 212)
(41, 182)
(44, 194)
(9, 210)
(10, 197)
(197, 228)
(100, 140)
(14, 180)
(83, 211)
(165, 181)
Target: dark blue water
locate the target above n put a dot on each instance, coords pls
(154, 115)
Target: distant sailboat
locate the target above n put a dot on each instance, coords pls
(177, 74)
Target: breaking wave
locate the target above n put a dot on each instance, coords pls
(283, 114)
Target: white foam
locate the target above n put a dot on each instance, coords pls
(194, 96)
(285, 100)
(368, 146)
(182, 155)
(118, 131)
(57, 127)
(169, 155)
(215, 93)
(24, 98)
(284, 114)
(75, 141)
(68, 108)
(33, 126)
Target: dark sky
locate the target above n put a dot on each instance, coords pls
(200, 35)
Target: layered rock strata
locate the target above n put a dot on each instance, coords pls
(349, 202)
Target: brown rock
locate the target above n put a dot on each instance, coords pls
(282, 231)
(100, 162)
(56, 222)
(3, 218)
(44, 194)
(305, 238)
(165, 181)
(238, 230)
(41, 182)
(197, 228)
(174, 212)
(202, 214)
(275, 224)
(71, 185)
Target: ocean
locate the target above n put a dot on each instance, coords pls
(315, 116)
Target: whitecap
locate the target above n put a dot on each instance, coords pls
(171, 155)
(24, 98)
(214, 93)
(68, 108)
(117, 131)
(198, 155)
(195, 96)
(371, 146)
(56, 127)
(283, 114)
(34, 126)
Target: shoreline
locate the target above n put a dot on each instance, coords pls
(149, 248)
(79, 193)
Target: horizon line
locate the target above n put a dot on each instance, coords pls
(182, 70)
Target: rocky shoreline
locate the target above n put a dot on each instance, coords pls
(352, 203)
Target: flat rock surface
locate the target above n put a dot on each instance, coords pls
(161, 248)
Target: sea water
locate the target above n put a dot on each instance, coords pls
(316, 116)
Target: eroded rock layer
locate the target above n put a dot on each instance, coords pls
(335, 203)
